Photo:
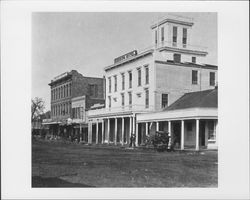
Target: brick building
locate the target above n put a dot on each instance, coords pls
(72, 95)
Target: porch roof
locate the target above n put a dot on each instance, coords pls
(200, 99)
(181, 114)
(202, 105)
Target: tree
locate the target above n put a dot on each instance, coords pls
(37, 108)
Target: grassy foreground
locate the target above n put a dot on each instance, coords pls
(56, 164)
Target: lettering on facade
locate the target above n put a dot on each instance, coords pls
(125, 56)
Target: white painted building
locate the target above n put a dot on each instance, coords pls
(151, 80)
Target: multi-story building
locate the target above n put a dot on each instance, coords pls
(72, 95)
(150, 80)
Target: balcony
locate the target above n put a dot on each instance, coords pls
(165, 45)
(120, 110)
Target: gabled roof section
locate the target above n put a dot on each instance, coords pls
(201, 99)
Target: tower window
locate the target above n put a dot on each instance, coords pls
(162, 34)
(184, 37)
(155, 36)
(174, 35)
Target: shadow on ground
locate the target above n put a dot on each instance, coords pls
(38, 181)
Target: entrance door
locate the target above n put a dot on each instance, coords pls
(202, 133)
(177, 132)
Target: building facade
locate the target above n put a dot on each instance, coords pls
(150, 81)
(72, 95)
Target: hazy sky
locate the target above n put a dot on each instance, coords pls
(88, 42)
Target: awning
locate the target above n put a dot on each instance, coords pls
(48, 123)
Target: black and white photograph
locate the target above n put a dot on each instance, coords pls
(125, 100)
(107, 125)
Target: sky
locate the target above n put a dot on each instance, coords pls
(88, 42)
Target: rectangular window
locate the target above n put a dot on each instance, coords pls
(115, 77)
(177, 58)
(194, 77)
(211, 130)
(193, 59)
(212, 78)
(130, 98)
(146, 75)
(155, 36)
(122, 95)
(130, 79)
(184, 37)
(109, 84)
(162, 34)
(93, 90)
(164, 100)
(123, 81)
(109, 101)
(174, 35)
(146, 98)
(139, 77)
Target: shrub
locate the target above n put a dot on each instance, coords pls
(159, 140)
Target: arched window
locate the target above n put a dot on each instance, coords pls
(70, 89)
(66, 108)
(67, 90)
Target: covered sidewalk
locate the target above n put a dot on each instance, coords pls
(192, 121)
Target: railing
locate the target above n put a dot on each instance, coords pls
(180, 46)
(113, 110)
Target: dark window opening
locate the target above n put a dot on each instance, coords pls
(162, 34)
(193, 59)
(177, 58)
(184, 38)
(174, 36)
(194, 77)
(164, 100)
(146, 98)
(212, 78)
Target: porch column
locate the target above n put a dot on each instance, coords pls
(136, 135)
(96, 138)
(197, 134)
(81, 138)
(157, 126)
(108, 132)
(122, 130)
(115, 131)
(102, 131)
(182, 134)
(134, 130)
(90, 132)
(130, 128)
(146, 128)
(169, 134)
